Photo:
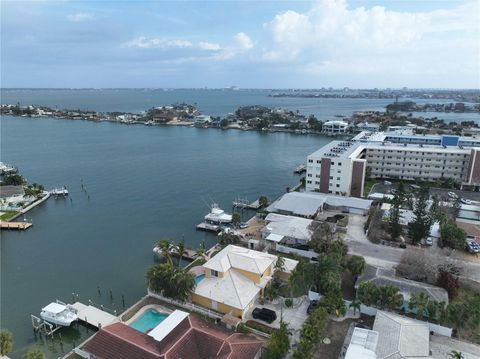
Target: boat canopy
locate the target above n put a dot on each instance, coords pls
(54, 308)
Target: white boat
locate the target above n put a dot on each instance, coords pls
(59, 191)
(58, 313)
(218, 216)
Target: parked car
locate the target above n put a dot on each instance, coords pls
(312, 306)
(465, 201)
(429, 241)
(473, 247)
(264, 314)
(243, 225)
(452, 195)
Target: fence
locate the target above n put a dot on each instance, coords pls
(189, 306)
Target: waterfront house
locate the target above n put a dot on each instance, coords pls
(288, 230)
(235, 278)
(183, 336)
(335, 127)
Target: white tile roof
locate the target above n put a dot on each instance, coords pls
(289, 226)
(400, 337)
(234, 289)
(240, 258)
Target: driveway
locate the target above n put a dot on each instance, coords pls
(294, 317)
(374, 254)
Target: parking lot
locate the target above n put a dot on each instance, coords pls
(441, 193)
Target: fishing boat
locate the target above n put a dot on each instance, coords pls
(58, 313)
(59, 191)
(218, 216)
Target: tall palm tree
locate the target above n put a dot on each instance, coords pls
(180, 250)
(368, 293)
(171, 281)
(355, 304)
(279, 266)
(166, 248)
(390, 297)
(201, 251)
(419, 301)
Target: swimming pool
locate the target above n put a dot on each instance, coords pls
(148, 320)
(199, 278)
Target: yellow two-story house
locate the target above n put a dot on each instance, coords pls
(235, 278)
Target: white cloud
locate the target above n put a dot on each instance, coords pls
(80, 16)
(243, 41)
(143, 42)
(209, 46)
(332, 37)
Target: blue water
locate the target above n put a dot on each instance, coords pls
(148, 320)
(199, 278)
(141, 184)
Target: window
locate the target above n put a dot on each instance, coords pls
(338, 185)
(309, 182)
(333, 163)
(338, 178)
(331, 177)
(214, 273)
(310, 161)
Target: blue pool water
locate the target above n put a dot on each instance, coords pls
(148, 320)
(199, 278)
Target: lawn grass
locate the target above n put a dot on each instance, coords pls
(8, 214)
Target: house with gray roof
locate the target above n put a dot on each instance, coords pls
(400, 337)
(407, 287)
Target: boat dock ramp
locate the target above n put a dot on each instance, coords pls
(244, 203)
(15, 225)
(92, 315)
(208, 227)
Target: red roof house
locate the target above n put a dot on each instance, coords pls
(192, 338)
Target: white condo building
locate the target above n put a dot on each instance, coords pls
(340, 166)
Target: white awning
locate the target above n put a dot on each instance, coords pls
(274, 237)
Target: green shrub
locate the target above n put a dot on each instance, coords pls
(288, 302)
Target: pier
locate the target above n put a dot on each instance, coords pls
(244, 203)
(208, 227)
(92, 315)
(15, 225)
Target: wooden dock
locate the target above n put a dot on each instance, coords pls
(92, 315)
(208, 227)
(15, 225)
(244, 203)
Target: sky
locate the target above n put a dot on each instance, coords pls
(249, 44)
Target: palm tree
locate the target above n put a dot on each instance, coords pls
(180, 250)
(433, 308)
(201, 251)
(419, 301)
(6, 342)
(34, 354)
(166, 248)
(389, 297)
(455, 355)
(368, 293)
(356, 265)
(355, 304)
(171, 281)
(279, 266)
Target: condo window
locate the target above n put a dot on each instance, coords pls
(214, 273)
